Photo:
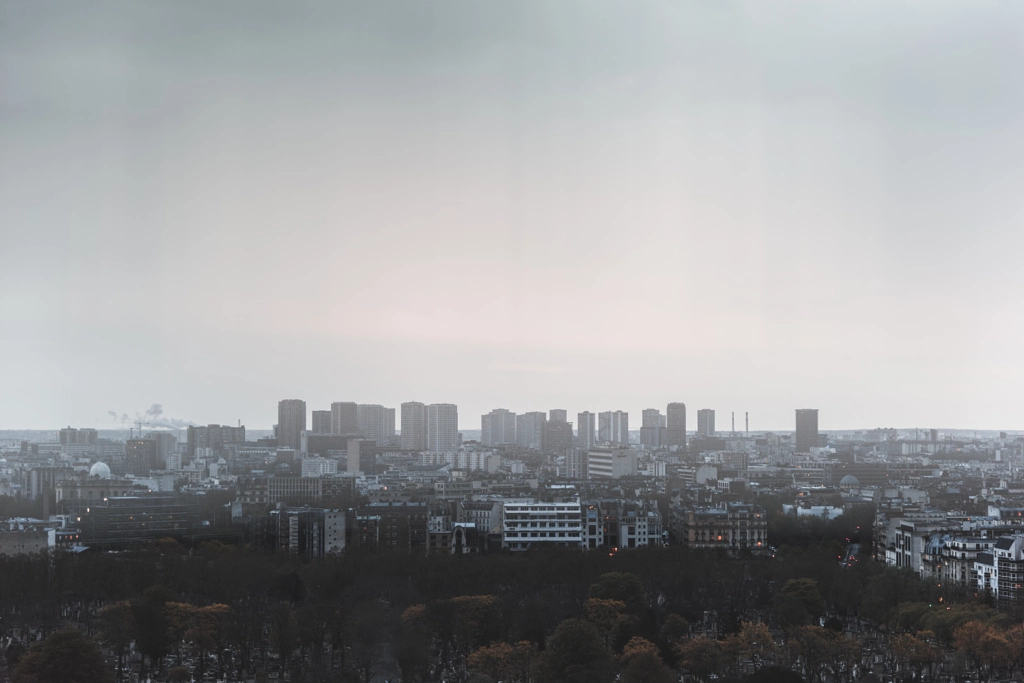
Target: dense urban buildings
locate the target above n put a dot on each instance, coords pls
(214, 437)
(946, 508)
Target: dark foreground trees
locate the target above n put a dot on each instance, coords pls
(64, 657)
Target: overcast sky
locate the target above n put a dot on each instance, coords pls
(751, 206)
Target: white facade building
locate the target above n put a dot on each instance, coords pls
(557, 523)
(442, 427)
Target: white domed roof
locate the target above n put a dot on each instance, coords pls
(849, 480)
(100, 470)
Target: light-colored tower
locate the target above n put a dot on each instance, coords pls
(586, 436)
(613, 427)
(530, 430)
(377, 422)
(442, 427)
(705, 422)
(414, 426)
(344, 418)
(498, 427)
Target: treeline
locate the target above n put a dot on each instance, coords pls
(556, 615)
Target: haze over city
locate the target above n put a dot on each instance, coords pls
(588, 205)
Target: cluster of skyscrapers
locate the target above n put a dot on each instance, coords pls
(424, 427)
(435, 427)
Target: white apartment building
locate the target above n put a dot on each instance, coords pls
(556, 523)
(611, 463)
(442, 427)
(319, 467)
(377, 423)
(472, 461)
(498, 428)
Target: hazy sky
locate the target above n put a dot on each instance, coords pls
(751, 206)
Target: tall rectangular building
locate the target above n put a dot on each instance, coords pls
(291, 422)
(321, 422)
(212, 436)
(806, 429)
(613, 427)
(414, 426)
(362, 458)
(705, 422)
(344, 418)
(530, 430)
(586, 433)
(556, 437)
(498, 428)
(376, 422)
(652, 425)
(675, 422)
(558, 415)
(140, 456)
(442, 427)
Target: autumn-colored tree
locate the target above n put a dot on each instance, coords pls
(912, 653)
(411, 644)
(642, 663)
(504, 662)
(117, 628)
(701, 656)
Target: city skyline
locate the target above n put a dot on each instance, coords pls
(677, 416)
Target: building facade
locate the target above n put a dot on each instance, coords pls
(291, 422)
(414, 426)
(806, 429)
(675, 425)
(613, 427)
(498, 428)
(706, 422)
(442, 427)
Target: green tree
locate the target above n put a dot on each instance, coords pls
(65, 656)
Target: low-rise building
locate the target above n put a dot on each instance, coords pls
(557, 522)
(730, 526)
